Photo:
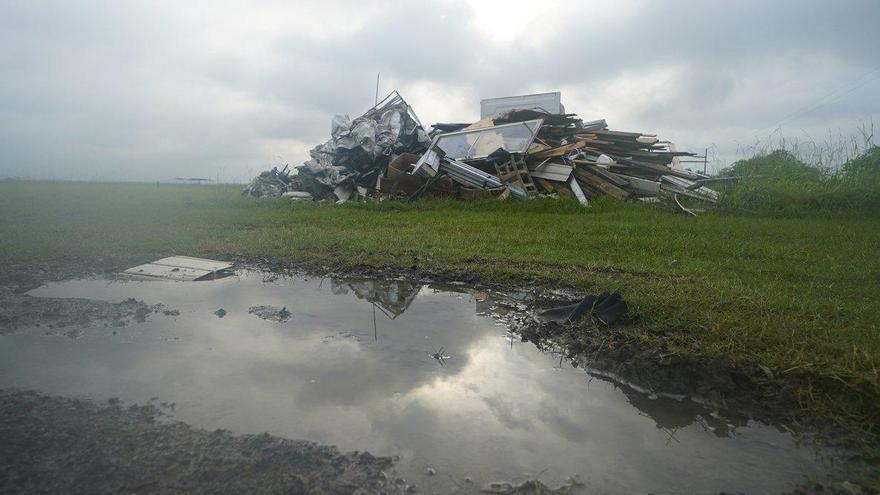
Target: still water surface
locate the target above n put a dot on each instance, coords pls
(495, 409)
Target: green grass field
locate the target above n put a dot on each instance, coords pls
(797, 295)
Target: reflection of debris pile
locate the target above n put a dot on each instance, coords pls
(523, 147)
(392, 297)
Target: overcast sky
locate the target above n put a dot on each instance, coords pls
(152, 90)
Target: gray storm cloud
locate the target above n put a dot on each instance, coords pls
(151, 90)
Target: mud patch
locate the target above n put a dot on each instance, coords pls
(68, 315)
(62, 445)
(613, 351)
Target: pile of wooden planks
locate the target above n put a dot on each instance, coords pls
(587, 160)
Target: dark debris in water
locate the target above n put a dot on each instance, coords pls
(271, 313)
(19, 311)
(440, 356)
(605, 309)
(529, 487)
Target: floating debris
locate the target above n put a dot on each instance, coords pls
(180, 268)
(529, 487)
(440, 356)
(270, 313)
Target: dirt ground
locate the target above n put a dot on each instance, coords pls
(60, 445)
(55, 316)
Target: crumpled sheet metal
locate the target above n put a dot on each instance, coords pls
(328, 176)
(359, 149)
(270, 184)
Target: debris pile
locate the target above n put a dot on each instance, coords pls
(271, 183)
(521, 150)
(359, 150)
(526, 153)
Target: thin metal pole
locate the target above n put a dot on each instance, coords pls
(705, 160)
(377, 89)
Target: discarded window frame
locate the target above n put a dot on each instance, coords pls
(479, 143)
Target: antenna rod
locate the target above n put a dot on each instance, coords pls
(705, 160)
(377, 89)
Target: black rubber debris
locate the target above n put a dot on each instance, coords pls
(603, 309)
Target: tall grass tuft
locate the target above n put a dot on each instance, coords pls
(782, 185)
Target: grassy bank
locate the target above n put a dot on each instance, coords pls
(797, 295)
(780, 185)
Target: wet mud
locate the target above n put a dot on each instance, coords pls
(60, 445)
(67, 316)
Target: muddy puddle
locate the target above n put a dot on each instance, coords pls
(426, 374)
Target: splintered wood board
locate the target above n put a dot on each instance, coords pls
(180, 268)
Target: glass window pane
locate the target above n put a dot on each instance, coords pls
(454, 146)
(479, 143)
